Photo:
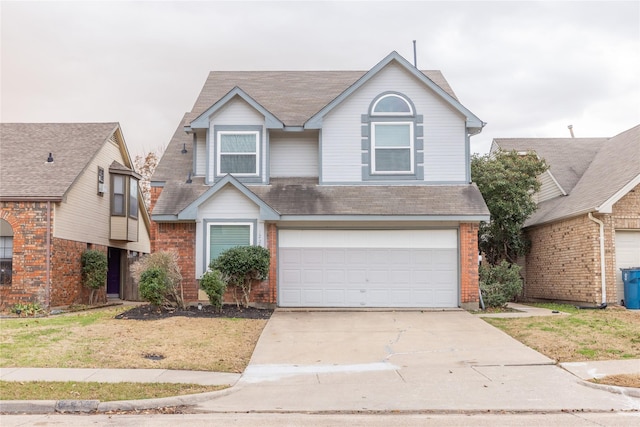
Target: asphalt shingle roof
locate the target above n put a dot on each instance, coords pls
(292, 96)
(303, 196)
(607, 165)
(24, 148)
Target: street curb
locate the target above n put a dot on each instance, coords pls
(95, 406)
(625, 391)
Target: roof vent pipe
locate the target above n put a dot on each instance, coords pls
(50, 158)
(570, 127)
(415, 56)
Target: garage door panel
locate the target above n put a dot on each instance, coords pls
(336, 275)
(627, 255)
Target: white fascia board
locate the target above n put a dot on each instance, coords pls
(607, 206)
(202, 121)
(267, 213)
(473, 122)
(386, 218)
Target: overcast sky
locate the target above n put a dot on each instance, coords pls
(528, 69)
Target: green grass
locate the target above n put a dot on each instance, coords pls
(566, 308)
(608, 334)
(105, 392)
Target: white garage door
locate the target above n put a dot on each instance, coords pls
(627, 255)
(368, 268)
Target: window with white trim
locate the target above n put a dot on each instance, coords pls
(238, 153)
(223, 236)
(392, 148)
(391, 104)
(390, 141)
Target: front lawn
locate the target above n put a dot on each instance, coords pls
(609, 334)
(96, 339)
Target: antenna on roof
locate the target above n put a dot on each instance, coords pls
(415, 57)
(570, 127)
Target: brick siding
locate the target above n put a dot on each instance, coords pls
(469, 265)
(28, 285)
(564, 262)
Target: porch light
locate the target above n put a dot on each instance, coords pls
(184, 148)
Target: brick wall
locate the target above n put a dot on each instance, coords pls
(469, 265)
(564, 263)
(29, 278)
(66, 273)
(180, 238)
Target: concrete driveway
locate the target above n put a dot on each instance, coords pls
(402, 360)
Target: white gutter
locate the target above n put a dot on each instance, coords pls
(602, 260)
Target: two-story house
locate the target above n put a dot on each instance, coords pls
(358, 182)
(66, 188)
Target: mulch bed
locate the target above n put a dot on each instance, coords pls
(150, 312)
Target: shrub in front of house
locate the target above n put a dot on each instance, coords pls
(94, 271)
(159, 279)
(213, 284)
(500, 283)
(241, 267)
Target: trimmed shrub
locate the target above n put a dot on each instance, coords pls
(153, 286)
(500, 283)
(168, 284)
(214, 285)
(241, 266)
(94, 271)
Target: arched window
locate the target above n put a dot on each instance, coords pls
(6, 252)
(394, 140)
(391, 104)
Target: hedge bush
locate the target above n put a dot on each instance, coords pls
(241, 266)
(168, 284)
(94, 271)
(214, 285)
(500, 283)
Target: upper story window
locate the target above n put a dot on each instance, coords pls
(119, 194)
(238, 152)
(133, 198)
(124, 198)
(391, 104)
(393, 141)
(392, 148)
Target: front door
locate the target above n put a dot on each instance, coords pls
(113, 274)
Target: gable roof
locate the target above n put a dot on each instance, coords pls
(24, 148)
(473, 122)
(612, 171)
(293, 97)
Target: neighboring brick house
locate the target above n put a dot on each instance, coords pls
(358, 182)
(592, 190)
(66, 188)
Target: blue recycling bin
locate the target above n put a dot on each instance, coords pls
(631, 280)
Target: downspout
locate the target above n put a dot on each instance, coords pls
(602, 260)
(48, 263)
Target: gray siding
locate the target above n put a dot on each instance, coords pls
(294, 154)
(235, 113)
(444, 130)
